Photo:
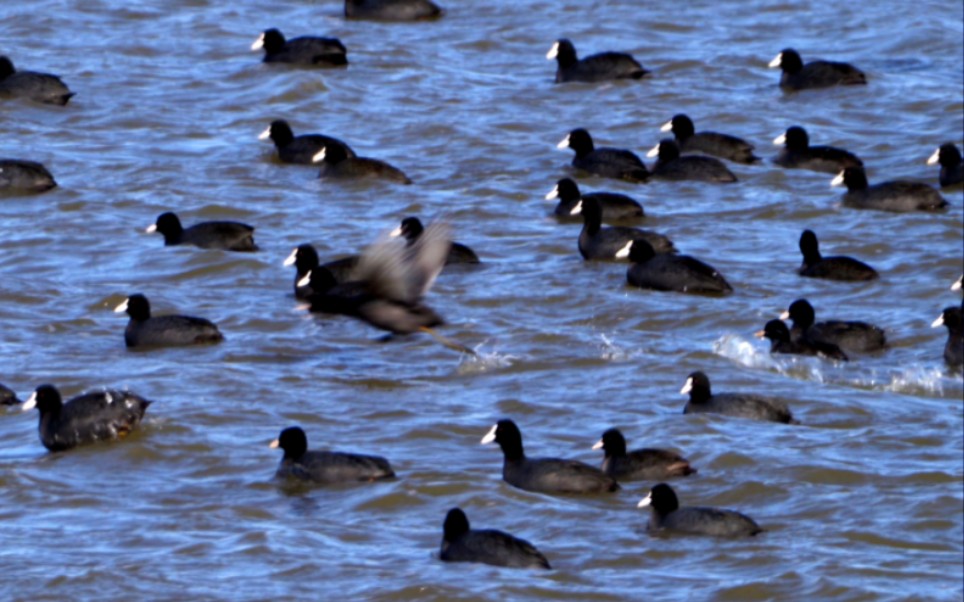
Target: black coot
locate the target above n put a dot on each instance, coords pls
(164, 331)
(8, 397)
(670, 272)
(98, 416)
(954, 348)
(797, 153)
(544, 475)
(897, 195)
(17, 175)
(671, 166)
(310, 51)
(837, 267)
(594, 68)
(299, 149)
(606, 162)
(648, 464)
(668, 516)
(596, 242)
(224, 235)
(411, 228)
(742, 405)
(815, 74)
(849, 336)
(325, 466)
(460, 543)
(952, 164)
(392, 10)
(780, 342)
(710, 143)
(305, 259)
(335, 163)
(31, 85)
(615, 206)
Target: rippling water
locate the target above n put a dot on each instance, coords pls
(863, 501)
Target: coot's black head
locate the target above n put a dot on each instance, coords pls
(802, 314)
(697, 385)
(304, 258)
(578, 140)
(45, 398)
(6, 68)
(681, 126)
(809, 247)
(795, 138)
(331, 154)
(564, 53)
(507, 435)
(667, 150)
(612, 442)
(280, 132)
(293, 441)
(591, 211)
(411, 228)
(788, 60)
(947, 155)
(776, 331)
(169, 225)
(640, 251)
(456, 525)
(854, 178)
(662, 499)
(136, 306)
(951, 318)
(567, 190)
(273, 41)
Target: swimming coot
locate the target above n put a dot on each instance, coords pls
(224, 235)
(781, 342)
(595, 68)
(837, 267)
(952, 165)
(606, 162)
(299, 149)
(671, 166)
(741, 405)
(489, 546)
(954, 348)
(17, 175)
(710, 143)
(544, 475)
(897, 195)
(31, 85)
(305, 50)
(815, 74)
(615, 206)
(164, 331)
(647, 464)
(98, 416)
(849, 336)
(392, 10)
(335, 163)
(411, 228)
(670, 272)
(8, 397)
(325, 466)
(798, 154)
(666, 515)
(596, 242)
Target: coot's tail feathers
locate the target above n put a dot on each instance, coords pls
(331, 59)
(680, 469)
(636, 175)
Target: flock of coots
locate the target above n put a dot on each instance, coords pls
(385, 285)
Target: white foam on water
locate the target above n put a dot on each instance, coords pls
(484, 362)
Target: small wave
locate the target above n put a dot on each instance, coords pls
(483, 362)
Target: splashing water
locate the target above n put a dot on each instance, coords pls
(483, 362)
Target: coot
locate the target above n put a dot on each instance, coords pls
(849, 336)
(97, 416)
(325, 466)
(224, 235)
(710, 143)
(31, 85)
(489, 546)
(671, 272)
(544, 475)
(837, 267)
(615, 206)
(648, 464)
(780, 342)
(596, 242)
(797, 153)
(17, 175)
(954, 347)
(815, 74)
(8, 397)
(164, 331)
(666, 515)
(305, 50)
(742, 405)
(411, 228)
(299, 149)
(897, 195)
(606, 162)
(392, 10)
(335, 163)
(671, 166)
(952, 165)
(594, 68)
